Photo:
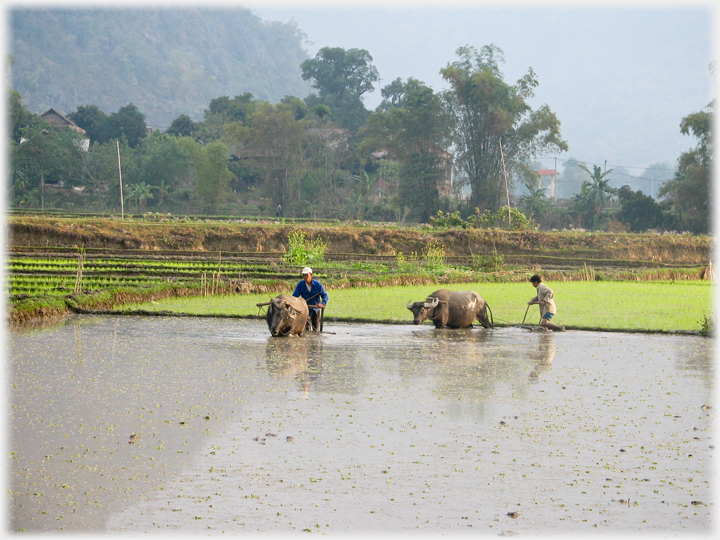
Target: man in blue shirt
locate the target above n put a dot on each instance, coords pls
(314, 294)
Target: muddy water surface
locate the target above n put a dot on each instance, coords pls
(211, 426)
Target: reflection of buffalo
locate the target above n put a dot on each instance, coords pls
(298, 359)
(287, 315)
(455, 309)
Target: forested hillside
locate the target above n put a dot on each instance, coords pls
(166, 62)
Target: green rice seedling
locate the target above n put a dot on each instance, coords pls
(631, 306)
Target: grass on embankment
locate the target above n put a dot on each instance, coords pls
(620, 306)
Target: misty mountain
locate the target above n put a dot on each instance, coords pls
(165, 61)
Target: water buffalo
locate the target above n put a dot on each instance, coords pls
(287, 315)
(454, 309)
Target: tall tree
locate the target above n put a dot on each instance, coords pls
(211, 172)
(487, 112)
(415, 128)
(20, 117)
(299, 157)
(341, 78)
(100, 174)
(162, 163)
(45, 154)
(128, 122)
(272, 138)
(689, 193)
(182, 126)
(638, 211)
(91, 119)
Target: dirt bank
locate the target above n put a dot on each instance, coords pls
(680, 250)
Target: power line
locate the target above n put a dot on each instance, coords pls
(566, 160)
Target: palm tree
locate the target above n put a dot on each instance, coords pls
(163, 190)
(536, 203)
(140, 193)
(593, 197)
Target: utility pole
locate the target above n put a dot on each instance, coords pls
(122, 204)
(507, 191)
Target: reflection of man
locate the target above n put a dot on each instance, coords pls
(544, 356)
(314, 294)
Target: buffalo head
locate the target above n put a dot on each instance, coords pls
(281, 316)
(423, 310)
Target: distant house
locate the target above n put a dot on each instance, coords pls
(63, 121)
(543, 173)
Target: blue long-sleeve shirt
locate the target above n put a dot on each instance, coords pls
(316, 293)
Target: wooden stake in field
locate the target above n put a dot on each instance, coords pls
(78, 274)
(587, 273)
(218, 272)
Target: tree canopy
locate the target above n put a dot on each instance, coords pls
(341, 78)
(414, 125)
(489, 112)
(689, 193)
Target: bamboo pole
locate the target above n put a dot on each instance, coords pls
(122, 203)
(507, 190)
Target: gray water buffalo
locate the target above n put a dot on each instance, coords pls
(454, 309)
(287, 315)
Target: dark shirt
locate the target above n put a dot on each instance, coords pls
(315, 295)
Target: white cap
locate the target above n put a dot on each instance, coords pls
(307, 270)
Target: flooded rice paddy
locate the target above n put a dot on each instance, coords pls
(211, 426)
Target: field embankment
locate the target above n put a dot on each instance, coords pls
(60, 265)
(570, 248)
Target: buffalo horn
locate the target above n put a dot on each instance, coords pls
(410, 304)
(433, 303)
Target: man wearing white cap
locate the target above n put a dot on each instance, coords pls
(314, 294)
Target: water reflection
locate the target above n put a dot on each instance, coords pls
(697, 360)
(297, 358)
(79, 390)
(543, 355)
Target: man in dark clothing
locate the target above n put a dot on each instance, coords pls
(314, 294)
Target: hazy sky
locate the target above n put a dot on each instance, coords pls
(619, 79)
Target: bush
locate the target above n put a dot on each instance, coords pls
(707, 325)
(302, 251)
(445, 221)
(488, 263)
(499, 220)
(486, 220)
(434, 255)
